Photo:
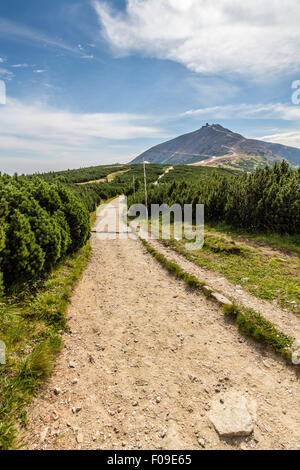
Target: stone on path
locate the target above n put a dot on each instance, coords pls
(233, 416)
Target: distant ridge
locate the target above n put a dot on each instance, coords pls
(214, 145)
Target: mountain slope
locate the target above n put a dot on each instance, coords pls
(214, 145)
(290, 153)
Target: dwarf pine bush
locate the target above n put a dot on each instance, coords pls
(40, 223)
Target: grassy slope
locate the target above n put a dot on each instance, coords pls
(247, 320)
(269, 275)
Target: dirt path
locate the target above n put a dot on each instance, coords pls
(109, 178)
(167, 170)
(287, 321)
(146, 358)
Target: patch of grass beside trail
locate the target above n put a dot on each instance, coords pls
(284, 242)
(267, 275)
(249, 322)
(31, 326)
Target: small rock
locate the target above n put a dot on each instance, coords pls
(233, 418)
(72, 365)
(44, 434)
(135, 403)
(192, 378)
(91, 359)
(158, 399)
(221, 299)
(75, 381)
(79, 437)
(201, 443)
(57, 391)
(164, 432)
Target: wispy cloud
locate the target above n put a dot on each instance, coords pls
(16, 30)
(36, 130)
(18, 66)
(253, 38)
(291, 138)
(7, 74)
(282, 111)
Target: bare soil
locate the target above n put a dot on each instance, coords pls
(285, 320)
(144, 361)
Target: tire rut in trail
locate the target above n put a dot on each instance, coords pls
(150, 357)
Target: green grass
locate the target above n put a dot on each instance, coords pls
(269, 276)
(249, 322)
(255, 326)
(285, 242)
(31, 328)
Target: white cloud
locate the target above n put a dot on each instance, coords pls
(291, 138)
(6, 74)
(18, 66)
(282, 111)
(1, 60)
(17, 30)
(252, 38)
(38, 131)
(87, 56)
(39, 71)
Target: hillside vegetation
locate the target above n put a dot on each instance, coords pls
(80, 175)
(40, 224)
(266, 200)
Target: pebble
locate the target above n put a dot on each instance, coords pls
(201, 442)
(72, 365)
(44, 434)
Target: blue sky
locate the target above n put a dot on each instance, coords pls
(93, 82)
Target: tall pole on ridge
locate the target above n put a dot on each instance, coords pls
(145, 181)
(134, 188)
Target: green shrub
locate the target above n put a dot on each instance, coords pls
(40, 224)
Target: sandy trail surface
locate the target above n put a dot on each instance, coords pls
(285, 320)
(145, 361)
